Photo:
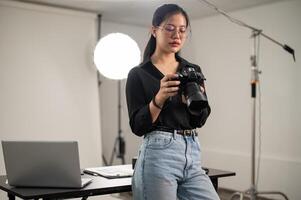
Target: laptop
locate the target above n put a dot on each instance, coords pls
(43, 164)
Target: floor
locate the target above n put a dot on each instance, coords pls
(223, 193)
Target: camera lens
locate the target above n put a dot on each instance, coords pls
(196, 99)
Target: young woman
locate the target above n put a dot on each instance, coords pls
(169, 162)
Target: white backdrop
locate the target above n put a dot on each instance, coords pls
(223, 50)
(48, 81)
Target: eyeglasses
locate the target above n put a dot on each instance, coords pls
(171, 29)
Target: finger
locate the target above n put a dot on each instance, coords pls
(171, 89)
(172, 94)
(165, 78)
(183, 99)
(202, 89)
(171, 83)
(170, 77)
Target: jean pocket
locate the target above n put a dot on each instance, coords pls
(160, 141)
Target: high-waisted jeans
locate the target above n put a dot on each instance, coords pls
(169, 167)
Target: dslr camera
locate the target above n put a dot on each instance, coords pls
(190, 87)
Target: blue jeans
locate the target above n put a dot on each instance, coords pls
(169, 167)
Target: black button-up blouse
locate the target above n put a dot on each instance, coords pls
(142, 85)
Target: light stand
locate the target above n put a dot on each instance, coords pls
(114, 56)
(119, 141)
(252, 192)
(98, 74)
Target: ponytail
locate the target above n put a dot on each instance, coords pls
(150, 48)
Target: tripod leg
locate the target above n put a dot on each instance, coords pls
(123, 160)
(121, 152)
(113, 152)
(104, 160)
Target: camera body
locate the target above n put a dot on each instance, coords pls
(191, 80)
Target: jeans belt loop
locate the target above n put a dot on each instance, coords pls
(194, 135)
(174, 134)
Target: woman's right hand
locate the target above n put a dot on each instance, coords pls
(169, 86)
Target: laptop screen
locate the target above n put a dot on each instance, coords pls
(42, 163)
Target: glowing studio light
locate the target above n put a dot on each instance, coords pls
(115, 55)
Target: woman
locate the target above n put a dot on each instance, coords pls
(169, 164)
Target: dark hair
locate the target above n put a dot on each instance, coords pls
(161, 14)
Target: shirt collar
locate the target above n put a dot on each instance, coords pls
(182, 61)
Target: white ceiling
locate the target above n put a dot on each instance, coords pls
(139, 12)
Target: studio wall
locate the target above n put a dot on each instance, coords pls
(48, 81)
(223, 50)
